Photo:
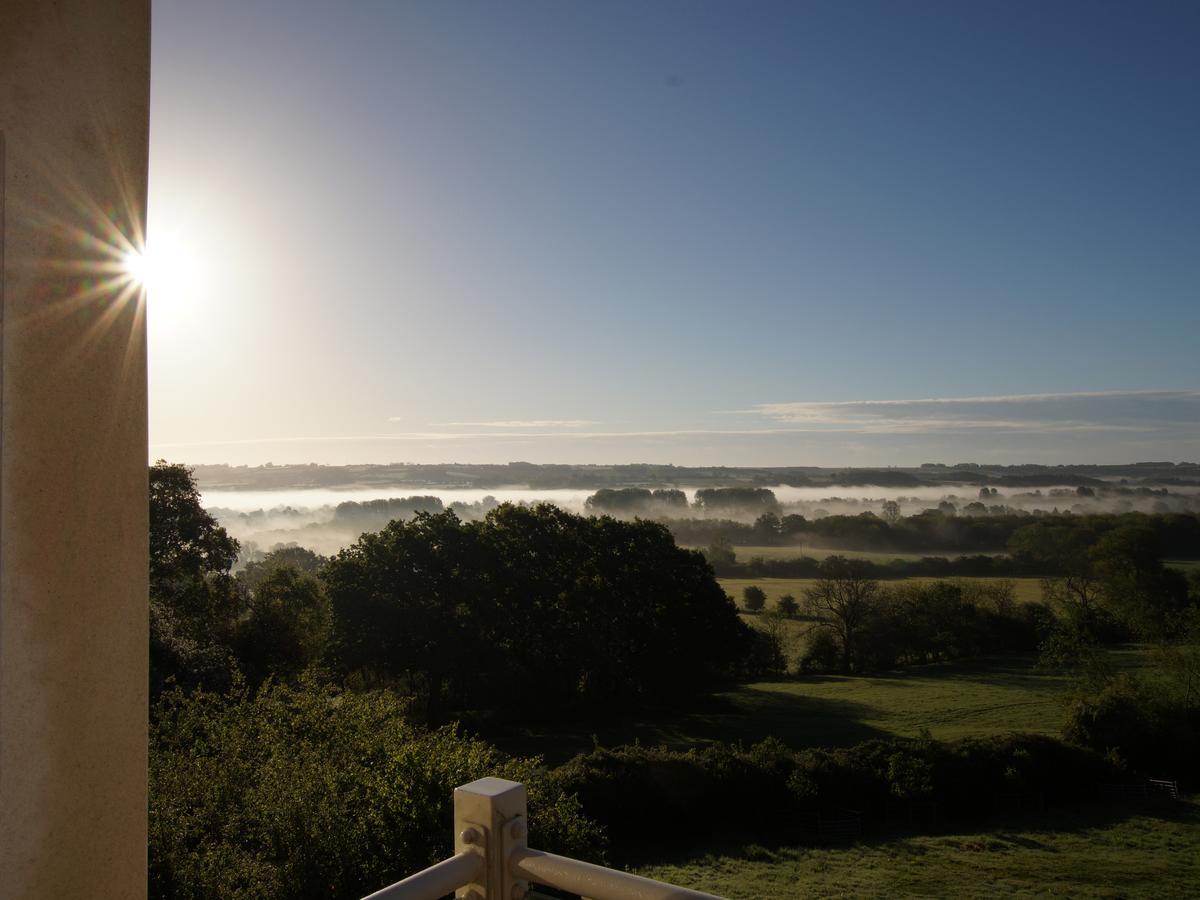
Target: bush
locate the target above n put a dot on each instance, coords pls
(653, 798)
(308, 792)
(822, 654)
(1149, 728)
(754, 598)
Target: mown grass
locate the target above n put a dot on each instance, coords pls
(950, 701)
(978, 698)
(1027, 589)
(1146, 852)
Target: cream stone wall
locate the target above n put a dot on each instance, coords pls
(74, 112)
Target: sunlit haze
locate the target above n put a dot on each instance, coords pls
(691, 233)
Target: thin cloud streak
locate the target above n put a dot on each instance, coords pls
(514, 423)
(450, 436)
(1162, 413)
(1099, 411)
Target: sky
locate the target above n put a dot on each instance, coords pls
(802, 233)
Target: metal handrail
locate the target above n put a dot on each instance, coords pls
(437, 881)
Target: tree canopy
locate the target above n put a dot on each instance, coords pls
(531, 602)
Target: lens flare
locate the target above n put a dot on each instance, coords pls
(137, 265)
(164, 267)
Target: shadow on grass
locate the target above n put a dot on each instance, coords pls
(781, 708)
(747, 715)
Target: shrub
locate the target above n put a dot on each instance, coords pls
(654, 798)
(308, 792)
(822, 654)
(1154, 731)
(754, 598)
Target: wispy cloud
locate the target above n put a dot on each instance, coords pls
(1140, 415)
(1060, 412)
(450, 436)
(513, 423)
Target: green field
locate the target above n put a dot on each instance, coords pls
(984, 697)
(951, 701)
(1154, 852)
(1027, 589)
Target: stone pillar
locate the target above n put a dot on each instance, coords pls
(74, 117)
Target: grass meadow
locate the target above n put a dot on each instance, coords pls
(952, 700)
(1151, 851)
(1099, 851)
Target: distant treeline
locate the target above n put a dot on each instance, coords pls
(977, 566)
(931, 531)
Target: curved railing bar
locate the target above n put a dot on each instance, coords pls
(596, 882)
(437, 881)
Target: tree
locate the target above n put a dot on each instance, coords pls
(720, 554)
(290, 556)
(185, 541)
(843, 599)
(767, 528)
(890, 512)
(287, 625)
(754, 598)
(736, 500)
(1064, 548)
(774, 634)
(787, 606)
(1135, 586)
(584, 612)
(400, 602)
(1104, 577)
(194, 603)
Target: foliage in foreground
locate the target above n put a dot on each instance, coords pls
(310, 792)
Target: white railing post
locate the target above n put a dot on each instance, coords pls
(492, 859)
(490, 819)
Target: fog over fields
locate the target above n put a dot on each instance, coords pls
(327, 518)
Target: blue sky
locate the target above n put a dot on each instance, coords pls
(688, 232)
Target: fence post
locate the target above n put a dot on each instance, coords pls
(490, 819)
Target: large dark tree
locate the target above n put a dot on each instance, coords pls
(194, 603)
(185, 541)
(286, 626)
(533, 608)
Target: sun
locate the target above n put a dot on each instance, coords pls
(165, 267)
(137, 265)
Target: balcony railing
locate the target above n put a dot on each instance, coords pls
(492, 859)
